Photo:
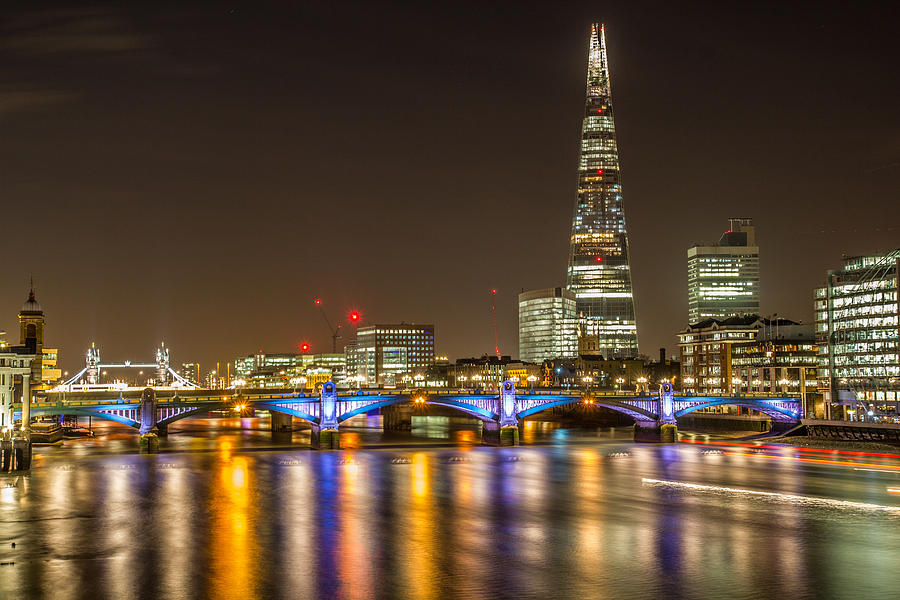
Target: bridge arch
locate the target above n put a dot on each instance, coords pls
(466, 407)
(635, 412)
(287, 411)
(776, 412)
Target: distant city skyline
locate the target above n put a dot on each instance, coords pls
(169, 184)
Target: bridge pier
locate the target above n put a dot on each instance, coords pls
(148, 429)
(490, 433)
(325, 434)
(162, 429)
(324, 439)
(658, 432)
(665, 429)
(396, 417)
(281, 422)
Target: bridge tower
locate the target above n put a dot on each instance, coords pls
(148, 430)
(325, 435)
(92, 362)
(162, 365)
(665, 428)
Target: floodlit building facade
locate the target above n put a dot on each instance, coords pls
(599, 273)
(547, 325)
(382, 354)
(747, 354)
(857, 325)
(723, 278)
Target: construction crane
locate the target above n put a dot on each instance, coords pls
(494, 315)
(335, 331)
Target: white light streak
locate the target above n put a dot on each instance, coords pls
(780, 496)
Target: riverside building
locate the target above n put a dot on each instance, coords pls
(723, 278)
(547, 325)
(748, 354)
(857, 332)
(382, 354)
(599, 273)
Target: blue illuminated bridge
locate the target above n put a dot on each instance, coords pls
(500, 411)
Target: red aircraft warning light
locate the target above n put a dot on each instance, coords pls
(318, 302)
(304, 347)
(599, 259)
(354, 317)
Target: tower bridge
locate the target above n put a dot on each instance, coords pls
(160, 375)
(655, 415)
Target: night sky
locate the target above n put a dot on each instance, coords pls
(199, 172)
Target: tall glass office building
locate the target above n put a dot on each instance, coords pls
(723, 278)
(599, 272)
(858, 330)
(548, 328)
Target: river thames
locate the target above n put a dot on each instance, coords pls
(224, 512)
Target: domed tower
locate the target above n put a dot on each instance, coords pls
(31, 332)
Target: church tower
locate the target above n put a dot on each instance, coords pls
(31, 333)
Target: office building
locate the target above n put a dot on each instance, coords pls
(857, 333)
(599, 273)
(750, 355)
(723, 278)
(547, 325)
(382, 354)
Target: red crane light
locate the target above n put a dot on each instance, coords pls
(599, 259)
(354, 317)
(318, 302)
(304, 347)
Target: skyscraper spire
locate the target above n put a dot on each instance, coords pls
(598, 65)
(599, 271)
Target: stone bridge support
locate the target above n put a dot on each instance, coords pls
(665, 428)
(281, 422)
(505, 430)
(326, 435)
(397, 417)
(148, 429)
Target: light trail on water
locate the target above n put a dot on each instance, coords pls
(699, 487)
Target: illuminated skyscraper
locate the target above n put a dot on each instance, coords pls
(723, 278)
(599, 273)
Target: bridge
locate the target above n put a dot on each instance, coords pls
(160, 374)
(500, 411)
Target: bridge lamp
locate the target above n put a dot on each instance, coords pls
(419, 400)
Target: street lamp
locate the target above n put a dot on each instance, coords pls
(476, 380)
(531, 380)
(462, 378)
(619, 382)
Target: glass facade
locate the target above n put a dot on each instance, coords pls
(599, 273)
(857, 329)
(723, 278)
(548, 326)
(383, 354)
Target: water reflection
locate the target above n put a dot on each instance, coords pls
(233, 541)
(231, 515)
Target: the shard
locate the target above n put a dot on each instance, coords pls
(599, 272)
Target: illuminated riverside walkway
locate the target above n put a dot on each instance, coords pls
(655, 416)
